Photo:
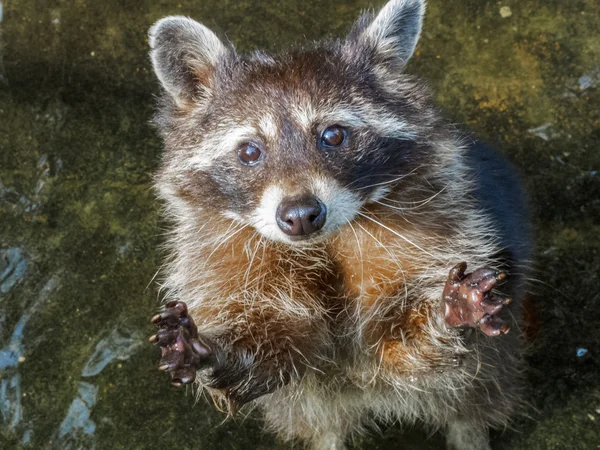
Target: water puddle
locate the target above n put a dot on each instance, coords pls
(13, 267)
(114, 346)
(13, 355)
(545, 131)
(77, 427)
(589, 80)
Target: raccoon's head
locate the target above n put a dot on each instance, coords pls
(293, 144)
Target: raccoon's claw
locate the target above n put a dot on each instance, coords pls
(468, 300)
(183, 350)
(493, 325)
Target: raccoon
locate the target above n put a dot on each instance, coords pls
(324, 216)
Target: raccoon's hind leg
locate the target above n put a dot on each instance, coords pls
(469, 302)
(328, 441)
(316, 412)
(464, 435)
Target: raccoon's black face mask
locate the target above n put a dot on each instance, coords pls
(297, 144)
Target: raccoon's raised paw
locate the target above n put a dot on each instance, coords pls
(183, 350)
(469, 302)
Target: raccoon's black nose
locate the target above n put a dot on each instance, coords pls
(301, 216)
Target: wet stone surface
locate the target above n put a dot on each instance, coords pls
(79, 231)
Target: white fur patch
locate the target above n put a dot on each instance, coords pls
(467, 435)
(379, 193)
(304, 114)
(218, 144)
(342, 205)
(268, 127)
(263, 218)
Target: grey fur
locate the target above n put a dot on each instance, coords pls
(309, 359)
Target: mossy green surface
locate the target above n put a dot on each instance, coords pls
(77, 155)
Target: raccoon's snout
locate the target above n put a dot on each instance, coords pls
(299, 217)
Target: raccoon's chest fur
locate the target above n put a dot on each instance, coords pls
(374, 290)
(379, 259)
(369, 271)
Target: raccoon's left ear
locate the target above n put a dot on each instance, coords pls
(390, 37)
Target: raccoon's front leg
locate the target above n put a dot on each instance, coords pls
(241, 377)
(184, 351)
(265, 350)
(468, 301)
(242, 361)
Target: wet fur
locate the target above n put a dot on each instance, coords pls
(335, 333)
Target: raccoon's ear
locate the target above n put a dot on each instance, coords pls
(392, 35)
(184, 56)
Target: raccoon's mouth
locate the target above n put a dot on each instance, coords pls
(313, 238)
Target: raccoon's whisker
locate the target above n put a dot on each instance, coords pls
(235, 231)
(251, 261)
(224, 240)
(377, 368)
(154, 277)
(383, 183)
(376, 175)
(199, 231)
(543, 283)
(258, 276)
(418, 204)
(399, 235)
(395, 208)
(360, 255)
(233, 224)
(394, 257)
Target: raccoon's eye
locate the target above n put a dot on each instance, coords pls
(249, 154)
(333, 136)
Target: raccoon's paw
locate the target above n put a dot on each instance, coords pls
(469, 302)
(183, 350)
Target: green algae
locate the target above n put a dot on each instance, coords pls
(76, 158)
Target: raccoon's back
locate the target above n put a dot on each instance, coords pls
(499, 192)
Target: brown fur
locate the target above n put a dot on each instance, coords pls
(321, 332)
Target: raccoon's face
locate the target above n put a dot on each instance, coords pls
(294, 145)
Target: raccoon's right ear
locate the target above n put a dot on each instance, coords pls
(184, 56)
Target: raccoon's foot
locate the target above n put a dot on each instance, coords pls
(183, 350)
(469, 302)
